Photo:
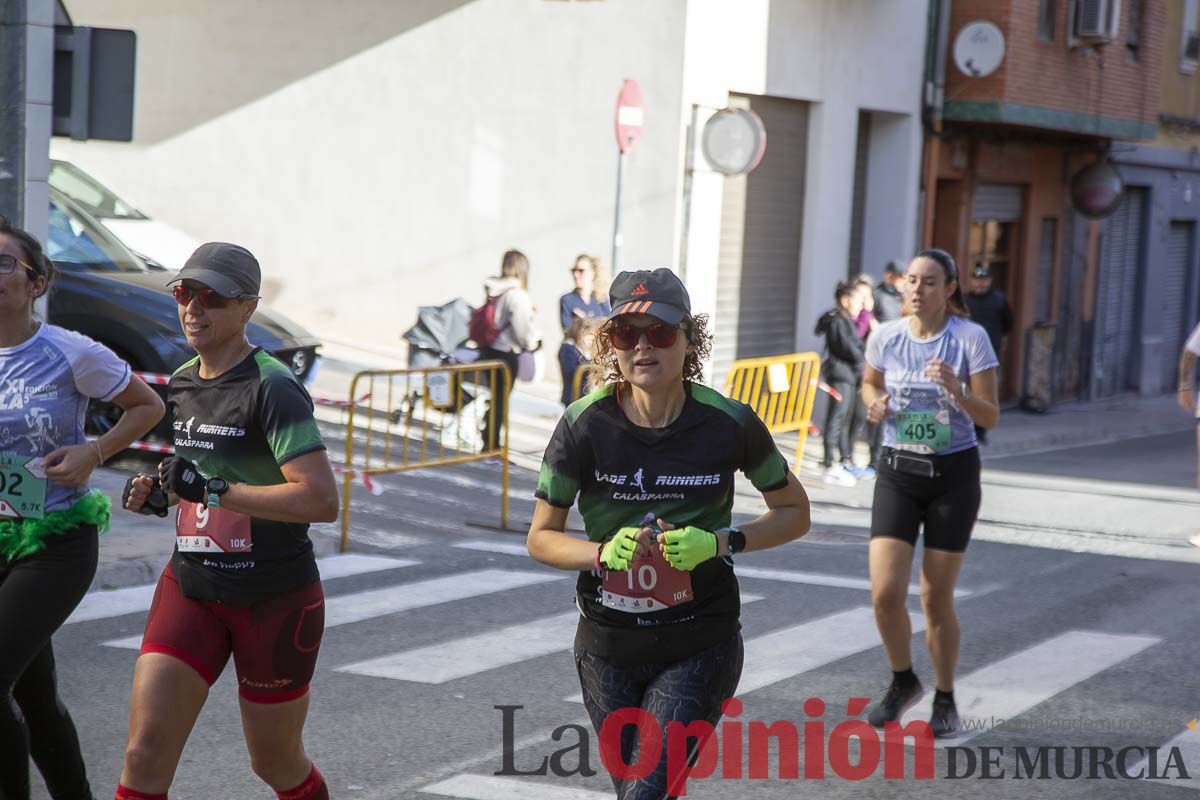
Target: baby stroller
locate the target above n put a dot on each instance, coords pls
(439, 338)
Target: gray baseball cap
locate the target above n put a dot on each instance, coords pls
(230, 270)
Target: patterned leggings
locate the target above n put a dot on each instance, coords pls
(685, 691)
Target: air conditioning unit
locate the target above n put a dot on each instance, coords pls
(1191, 47)
(1096, 21)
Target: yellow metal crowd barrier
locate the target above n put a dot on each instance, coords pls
(404, 419)
(780, 389)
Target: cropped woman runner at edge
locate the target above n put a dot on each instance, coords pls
(651, 457)
(48, 518)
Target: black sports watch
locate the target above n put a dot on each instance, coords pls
(736, 541)
(215, 488)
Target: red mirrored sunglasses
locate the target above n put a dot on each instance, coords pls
(626, 337)
(208, 297)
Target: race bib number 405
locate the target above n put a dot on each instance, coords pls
(921, 431)
(200, 529)
(22, 487)
(650, 584)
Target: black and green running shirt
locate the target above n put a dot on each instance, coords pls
(682, 474)
(243, 426)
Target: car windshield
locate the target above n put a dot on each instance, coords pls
(96, 198)
(75, 238)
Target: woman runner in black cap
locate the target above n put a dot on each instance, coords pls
(651, 457)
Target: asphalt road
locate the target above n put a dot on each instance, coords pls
(1060, 649)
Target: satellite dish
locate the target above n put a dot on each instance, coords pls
(734, 141)
(978, 49)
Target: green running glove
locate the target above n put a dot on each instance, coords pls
(687, 548)
(619, 550)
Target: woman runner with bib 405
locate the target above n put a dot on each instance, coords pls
(48, 518)
(249, 473)
(931, 377)
(651, 458)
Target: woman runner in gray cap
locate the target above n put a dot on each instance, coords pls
(249, 474)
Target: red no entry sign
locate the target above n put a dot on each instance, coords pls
(630, 114)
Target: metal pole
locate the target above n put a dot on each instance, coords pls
(616, 255)
(689, 171)
(26, 93)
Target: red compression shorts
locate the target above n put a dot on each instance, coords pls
(274, 643)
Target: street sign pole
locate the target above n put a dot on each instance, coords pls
(629, 128)
(616, 248)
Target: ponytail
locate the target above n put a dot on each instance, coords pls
(956, 305)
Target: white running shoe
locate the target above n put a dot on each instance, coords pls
(838, 475)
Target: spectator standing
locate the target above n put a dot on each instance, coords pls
(842, 369)
(576, 351)
(889, 294)
(510, 332)
(584, 301)
(990, 310)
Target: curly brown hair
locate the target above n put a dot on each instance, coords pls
(605, 370)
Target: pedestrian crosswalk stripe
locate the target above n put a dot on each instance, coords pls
(1010, 687)
(820, 579)
(490, 787)
(790, 651)
(507, 548)
(344, 565)
(443, 662)
(471, 655)
(112, 603)
(785, 653)
(132, 599)
(359, 606)
(1188, 743)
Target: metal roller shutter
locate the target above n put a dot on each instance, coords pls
(1179, 250)
(758, 268)
(1121, 270)
(998, 201)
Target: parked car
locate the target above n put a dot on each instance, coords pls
(106, 291)
(153, 240)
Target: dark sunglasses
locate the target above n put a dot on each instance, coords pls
(207, 297)
(8, 265)
(626, 337)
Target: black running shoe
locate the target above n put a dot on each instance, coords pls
(894, 703)
(944, 720)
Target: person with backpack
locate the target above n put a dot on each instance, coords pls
(841, 369)
(503, 328)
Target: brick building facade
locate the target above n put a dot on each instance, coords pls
(1000, 153)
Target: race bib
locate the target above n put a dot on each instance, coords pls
(921, 431)
(200, 529)
(22, 487)
(650, 584)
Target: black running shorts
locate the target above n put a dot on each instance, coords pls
(946, 504)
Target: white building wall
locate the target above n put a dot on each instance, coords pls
(841, 56)
(380, 155)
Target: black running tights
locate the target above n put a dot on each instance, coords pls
(37, 594)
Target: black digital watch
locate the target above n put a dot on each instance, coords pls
(735, 541)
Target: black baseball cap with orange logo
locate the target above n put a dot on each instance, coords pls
(658, 293)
